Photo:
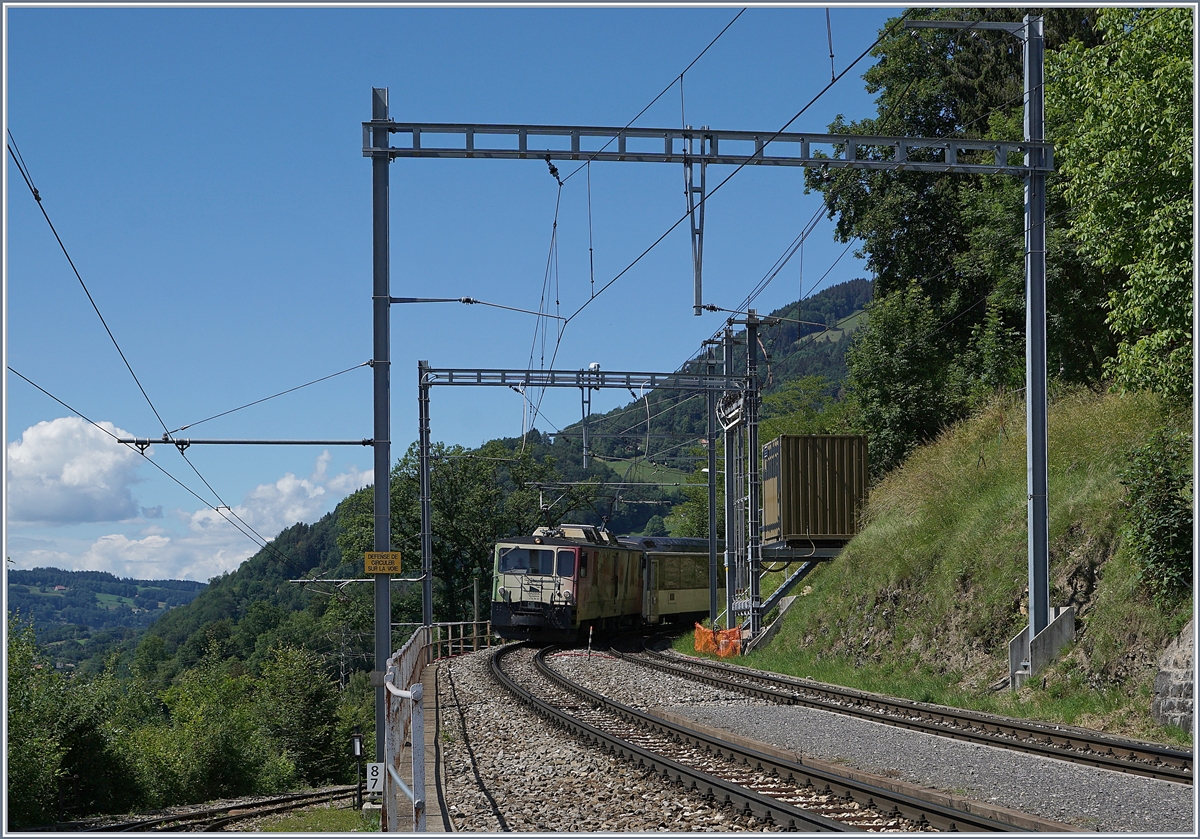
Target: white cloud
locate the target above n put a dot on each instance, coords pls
(343, 484)
(125, 557)
(160, 556)
(269, 508)
(197, 545)
(67, 471)
(37, 553)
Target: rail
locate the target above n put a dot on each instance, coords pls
(1051, 741)
(751, 777)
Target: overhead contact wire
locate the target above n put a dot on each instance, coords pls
(259, 542)
(587, 163)
(740, 166)
(771, 274)
(551, 270)
(660, 95)
(12, 150)
(272, 396)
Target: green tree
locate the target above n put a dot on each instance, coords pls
(35, 747)
(297, 702)
(356, 712)
(690, 517)
(946, 249)
(1126, 109)
(802, 406)
(97, 776)
(215, 746)
(655, 526)
(903, 386)
(260, 620)
(149, 659)
(348, 627)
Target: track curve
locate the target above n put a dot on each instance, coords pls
(1047, 740)
(791, 795)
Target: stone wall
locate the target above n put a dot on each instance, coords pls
(1173, 702)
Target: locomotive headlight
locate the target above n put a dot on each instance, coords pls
(503, 592)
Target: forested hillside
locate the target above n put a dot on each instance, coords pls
(793, 350)
(82, 614)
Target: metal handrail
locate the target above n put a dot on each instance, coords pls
(404, 714)
(418, 803)
(405, 711)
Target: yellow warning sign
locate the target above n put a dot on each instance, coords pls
(382, 562)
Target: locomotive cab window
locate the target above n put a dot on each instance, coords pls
(583, 558)
(566, 563)
(518, 560)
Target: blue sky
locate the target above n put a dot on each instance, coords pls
(203, 168)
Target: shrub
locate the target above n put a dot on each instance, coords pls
(1158, 530)
(35, 748)
(218, 749)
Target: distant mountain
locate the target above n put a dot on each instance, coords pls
(78, 614)
(809, 339)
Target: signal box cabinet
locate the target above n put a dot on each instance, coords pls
(813, 487)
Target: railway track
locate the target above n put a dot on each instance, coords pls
(1047, 740)
(789, 794)
(206, 818)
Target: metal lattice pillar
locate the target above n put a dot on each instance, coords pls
(382, 366)
(712, 495)
(754, 511)
(731, 529)
(739, 482)
(426, 494)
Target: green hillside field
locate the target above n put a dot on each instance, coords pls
(923, 602)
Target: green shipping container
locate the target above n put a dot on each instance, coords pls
(813, 487)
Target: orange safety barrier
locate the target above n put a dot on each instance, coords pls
(724, 642)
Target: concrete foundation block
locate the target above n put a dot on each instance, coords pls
(1026, 657)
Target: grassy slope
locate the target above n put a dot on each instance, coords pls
(923, 602)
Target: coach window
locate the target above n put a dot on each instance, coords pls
(566, 563)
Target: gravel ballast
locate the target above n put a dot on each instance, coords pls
(1094, 799)
(511, 771)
